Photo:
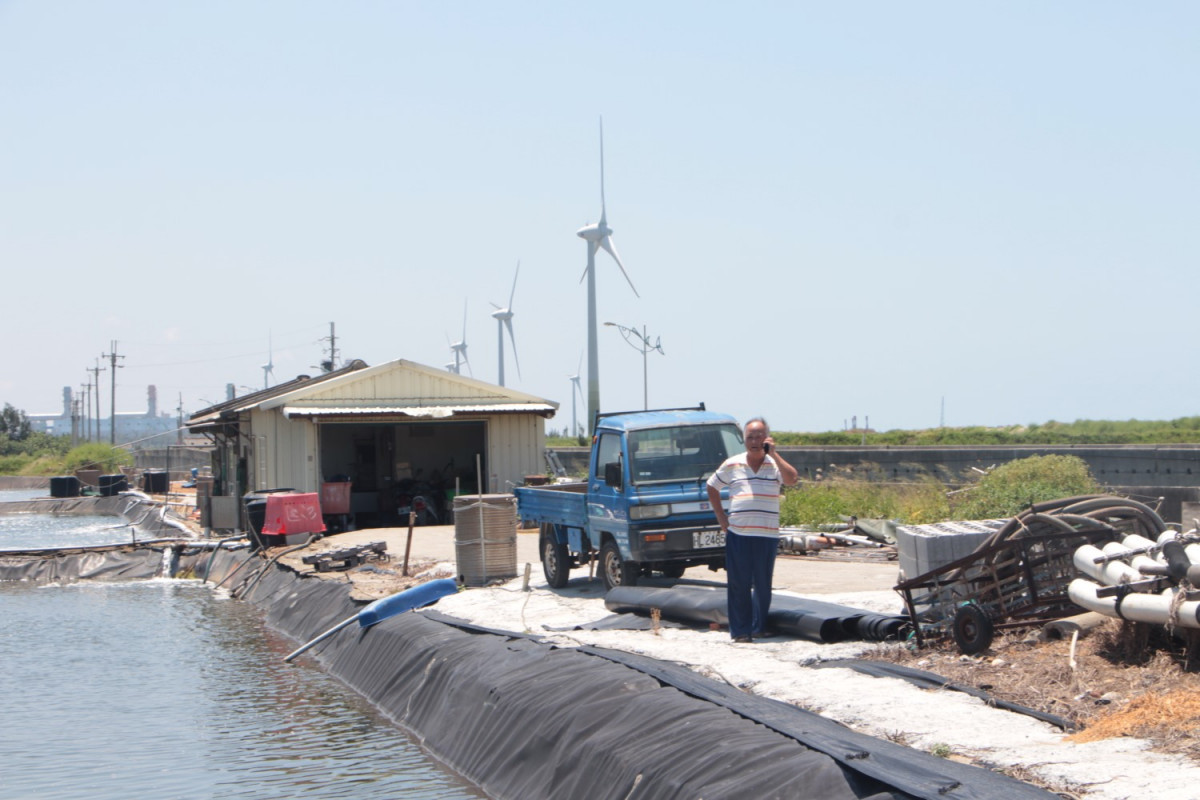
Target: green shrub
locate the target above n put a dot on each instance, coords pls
(14, 465)
(828, 501)
(1013, 487)
(95, 455)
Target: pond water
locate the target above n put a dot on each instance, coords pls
(165, 689)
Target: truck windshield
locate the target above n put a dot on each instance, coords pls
(684, 453)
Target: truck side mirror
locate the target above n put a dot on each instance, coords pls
(612, 474)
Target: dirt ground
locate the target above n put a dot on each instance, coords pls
(1123, 679)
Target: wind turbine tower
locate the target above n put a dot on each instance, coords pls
(503, 317)
(269, 367)
(597, 236)
(576, 391)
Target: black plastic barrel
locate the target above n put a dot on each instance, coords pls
(64, 486)
(111, 485)
(155, 481)
(256, 513)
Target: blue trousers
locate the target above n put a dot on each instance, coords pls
(749, 567)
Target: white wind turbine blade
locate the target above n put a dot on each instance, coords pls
(513, 339)
(513, 293)
(602, 217)
(607, 244)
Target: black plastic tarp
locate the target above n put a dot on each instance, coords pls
(814, 620)
(147, 518)
(123, 563)
(525, 719)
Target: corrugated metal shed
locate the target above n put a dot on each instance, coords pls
(380, 426)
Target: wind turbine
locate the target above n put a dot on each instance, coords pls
(460, 347)
(576, 391)
(503, 317)
(597, 236)
(269, 367)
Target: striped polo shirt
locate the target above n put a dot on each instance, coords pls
(753, 496)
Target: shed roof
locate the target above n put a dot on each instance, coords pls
(397, 388)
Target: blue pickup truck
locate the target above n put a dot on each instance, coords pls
(643, 506)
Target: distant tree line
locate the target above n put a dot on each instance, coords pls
(1185, 430)
(22, 447)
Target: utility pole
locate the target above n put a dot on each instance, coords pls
(74, 421)
(179, 421)
(96, 379)
(645, 348)
(85, 409)
(331, 364)
(112, 360)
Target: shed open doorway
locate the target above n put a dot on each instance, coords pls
(390, 463)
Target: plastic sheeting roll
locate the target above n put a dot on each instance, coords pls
(485, 538)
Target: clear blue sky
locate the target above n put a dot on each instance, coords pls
(828, 209)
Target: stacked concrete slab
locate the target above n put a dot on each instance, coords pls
(922, 548)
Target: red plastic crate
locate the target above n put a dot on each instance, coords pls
(293, 513)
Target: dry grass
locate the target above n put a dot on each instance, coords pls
(1171, 718)
(1128, 680)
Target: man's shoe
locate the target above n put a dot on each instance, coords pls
(742, 640)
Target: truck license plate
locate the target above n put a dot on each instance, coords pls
(703, 539)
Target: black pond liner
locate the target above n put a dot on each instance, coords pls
(814, 620)
(522, 718)
(138, 560)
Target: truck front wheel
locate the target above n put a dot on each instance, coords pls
(615, 570)
(556, 560)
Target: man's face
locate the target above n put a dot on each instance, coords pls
(756, 434)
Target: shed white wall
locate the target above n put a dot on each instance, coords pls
(516, 443)
(284, 451)
(288, 455)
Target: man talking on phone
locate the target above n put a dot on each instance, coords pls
(751, 526)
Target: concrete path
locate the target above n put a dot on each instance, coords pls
(822, 574)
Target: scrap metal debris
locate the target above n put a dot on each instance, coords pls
(1019, 575)
(347, 557)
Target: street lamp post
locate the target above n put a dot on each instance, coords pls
(644, 347)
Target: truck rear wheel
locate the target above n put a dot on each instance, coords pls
(615, 570)
(556, 559)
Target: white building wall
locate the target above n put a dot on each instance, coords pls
(284, 454)
(516, 444)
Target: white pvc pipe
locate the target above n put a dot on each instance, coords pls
(1137, 562)
(1136, 607)
(1110, 573)
(1136, 542)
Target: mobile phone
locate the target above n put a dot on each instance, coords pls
(766, 447)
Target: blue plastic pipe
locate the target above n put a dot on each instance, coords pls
(416, 597)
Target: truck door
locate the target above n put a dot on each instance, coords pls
(608, 509)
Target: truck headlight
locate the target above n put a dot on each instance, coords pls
(650, 512)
